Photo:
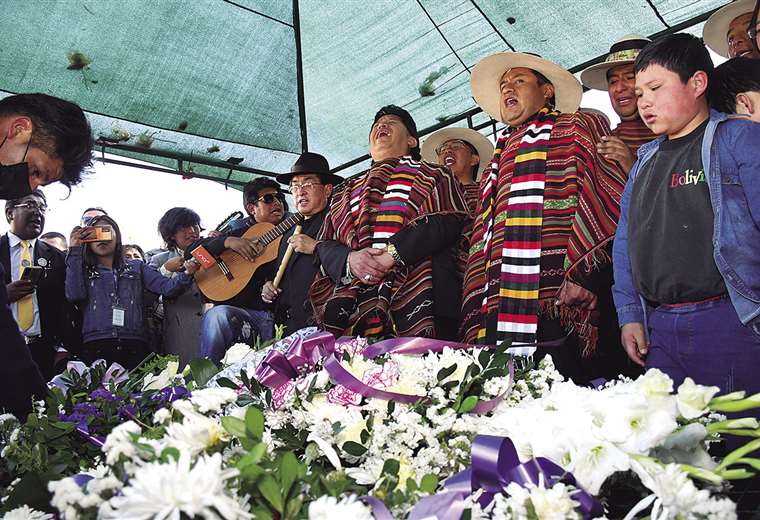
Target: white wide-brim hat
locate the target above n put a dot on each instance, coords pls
(476, 139)
(716, 27)
(487, 74)
(622, 52)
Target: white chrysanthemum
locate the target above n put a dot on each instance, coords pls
(329, 508)
(654, 383)
(67, 496)
(119, 442)
(169, 490)
(693, 398)
(212, 399)
(194, 434)
(161, 416)
(26, 513)
(236, 353)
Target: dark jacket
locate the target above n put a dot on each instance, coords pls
(98, 292)
(293, 305)
(55, 312)
(20, 379)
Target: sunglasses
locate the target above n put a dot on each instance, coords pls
(270, 197)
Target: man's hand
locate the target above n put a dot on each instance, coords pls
(19, 289)
(80, 233)
(614, 149)
(174, 264)
(303, 244)
(269, 293)
(635, 342)
(386, 260)
(214, 233)
(574, 295)
(366, 267)
(191, 266)
(248, 249)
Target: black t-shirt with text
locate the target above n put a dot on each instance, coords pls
(670, 225)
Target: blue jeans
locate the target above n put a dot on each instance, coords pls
(706, 342)
(224, 325)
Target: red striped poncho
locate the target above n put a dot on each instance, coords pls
(580, 212)
(401, 304)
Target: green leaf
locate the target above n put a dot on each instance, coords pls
(391, 467)
(253, 456)
(294, 507)
(429, 484)
(169, 452)
(288, 471)
(234, 426)
(254, 422)
(364, 436)
(262, 513)
(468, 404)
(484, 357)
(446, 372)
(270, 490)
(226, 383)
(203, 369)
(354, 448)
(251, 472)
(411, 485)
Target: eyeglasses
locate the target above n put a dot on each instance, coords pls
(270, 197)
(31, 206)
(454, 146)
(304, 186)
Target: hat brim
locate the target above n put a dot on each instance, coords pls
(326, 178)
(716, 27)
(476, 139)
(595, 77)
(486, 76)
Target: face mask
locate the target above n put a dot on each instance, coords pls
(14, 179)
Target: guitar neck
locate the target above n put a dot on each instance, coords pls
(280, 228)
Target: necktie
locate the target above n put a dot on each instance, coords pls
(25, 305)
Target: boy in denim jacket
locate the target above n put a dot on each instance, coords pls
(687, 250)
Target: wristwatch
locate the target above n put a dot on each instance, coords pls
(394, 254)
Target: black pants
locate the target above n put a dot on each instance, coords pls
(126, 352)
(43, 354)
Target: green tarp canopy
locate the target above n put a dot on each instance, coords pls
(229, 89)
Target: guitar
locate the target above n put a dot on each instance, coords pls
(231, 272)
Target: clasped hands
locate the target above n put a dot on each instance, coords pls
(370, 265)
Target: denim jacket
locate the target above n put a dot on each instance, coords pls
(731, 161)
(99, 291)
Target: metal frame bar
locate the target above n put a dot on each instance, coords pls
(109, 160)
(299, 77)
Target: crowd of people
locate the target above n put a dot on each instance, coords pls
(610, 249)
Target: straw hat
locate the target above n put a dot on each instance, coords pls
(486, 76)
(622, 52)
(476, 139)
(716, 27)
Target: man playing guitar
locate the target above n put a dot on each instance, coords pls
(244, 316)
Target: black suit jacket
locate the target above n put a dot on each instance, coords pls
(55, 311)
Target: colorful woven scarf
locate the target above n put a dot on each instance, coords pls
(517, 318)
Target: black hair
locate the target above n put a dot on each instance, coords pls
(407, 120)
(53, 234)
(95, 208)
(59, 128)
(90, 259)
(733, 77)
(12, 202)
(681, 53)
(133, 246)
(543, 80)
(174, 220)
(251, 190)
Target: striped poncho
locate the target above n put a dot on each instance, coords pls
(633, 133)
(365, 212)
(581, 206)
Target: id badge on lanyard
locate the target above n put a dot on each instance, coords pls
(117, 311)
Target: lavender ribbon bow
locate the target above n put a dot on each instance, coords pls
(303, 355)
(495, 465)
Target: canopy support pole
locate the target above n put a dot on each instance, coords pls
(299, 77)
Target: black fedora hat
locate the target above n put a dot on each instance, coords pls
(310, 164)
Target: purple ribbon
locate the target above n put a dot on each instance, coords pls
(495, 465)
(304, 354)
